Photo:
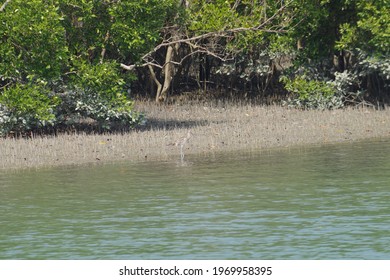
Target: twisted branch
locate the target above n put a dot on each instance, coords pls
(4, 5)
(197, 47)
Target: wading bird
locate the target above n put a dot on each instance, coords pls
(182, 141)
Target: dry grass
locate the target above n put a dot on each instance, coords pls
(220, 128)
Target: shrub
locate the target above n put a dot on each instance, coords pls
(98, 92)
(107, 113)
(368, 76)
(103, 79)
(312, 94)
(347, 85)
(26, 107)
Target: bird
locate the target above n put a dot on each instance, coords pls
(182, 141)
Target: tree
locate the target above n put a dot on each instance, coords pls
(32, 42)
(66, 48)
(370, 29)
(214, 28)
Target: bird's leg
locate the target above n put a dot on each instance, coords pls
(181, 152)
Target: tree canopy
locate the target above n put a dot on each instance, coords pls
(73, 58)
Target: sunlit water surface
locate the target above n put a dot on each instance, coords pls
(329, 202)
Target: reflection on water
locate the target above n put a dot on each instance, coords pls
(327, 202)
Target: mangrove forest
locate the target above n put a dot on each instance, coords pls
(64, 61)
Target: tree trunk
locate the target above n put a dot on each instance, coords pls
(156, 81)
(168, 76)
(167, 72)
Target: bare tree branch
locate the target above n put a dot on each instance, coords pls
(229, 33)
(212, 43)
(236, 4)
(4, 5)
(103, 52)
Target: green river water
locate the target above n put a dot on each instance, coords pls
(328, 202)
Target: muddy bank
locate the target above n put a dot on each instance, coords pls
(213, 129)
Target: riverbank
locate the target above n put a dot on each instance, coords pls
(214, 128)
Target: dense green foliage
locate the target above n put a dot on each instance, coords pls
(29, 106)
(371, 29)
(348, 43)
(70, 50)
(312, 93)
(60, 59)
(32, 41)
